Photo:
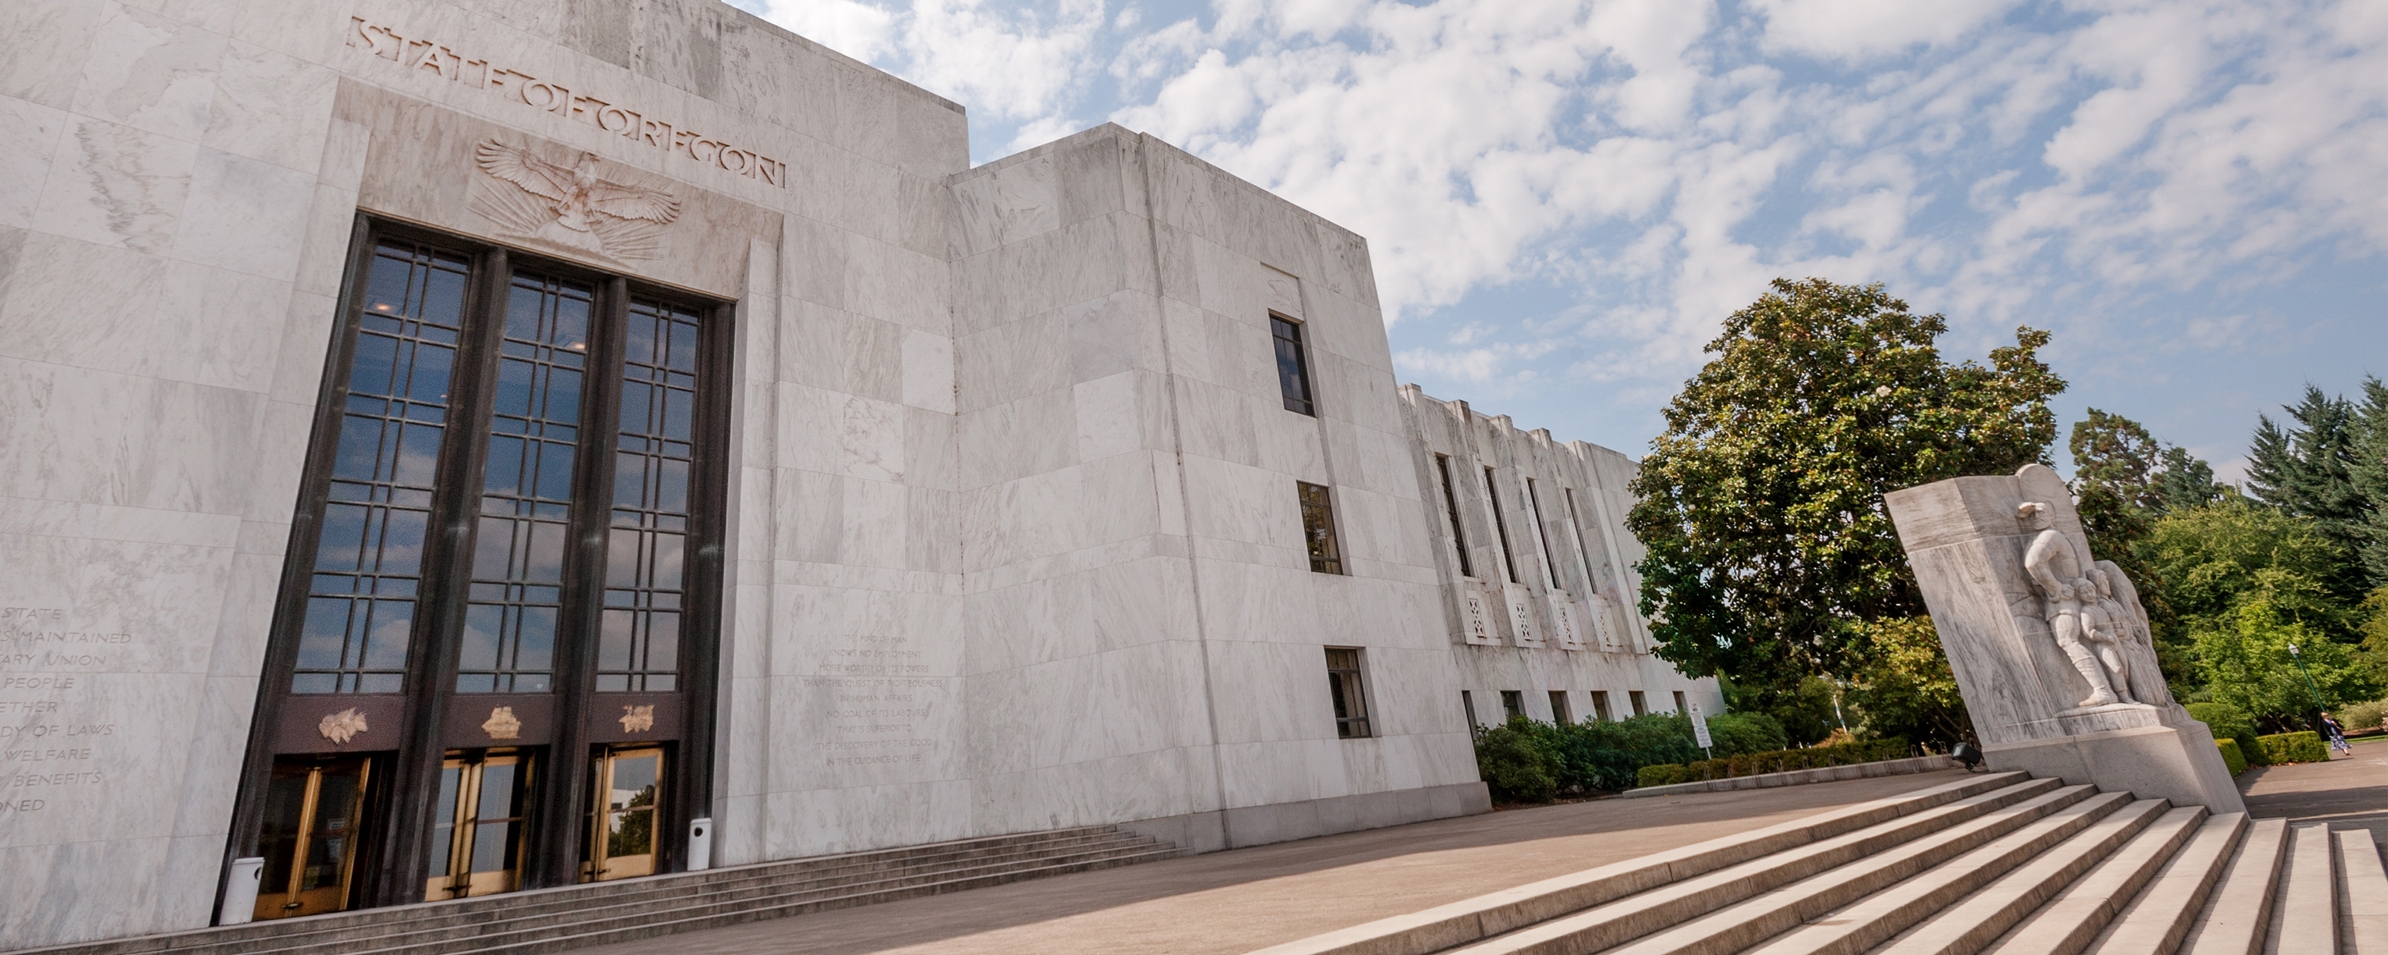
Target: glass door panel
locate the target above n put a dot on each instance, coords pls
(477, 824)
(312, 813)
(623, 820)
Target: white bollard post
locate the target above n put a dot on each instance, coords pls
(240, 892)
(700, 844)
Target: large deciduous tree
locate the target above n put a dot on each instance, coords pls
(2123, 481)
(1761, 506)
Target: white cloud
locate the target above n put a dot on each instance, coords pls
(1660, 160)
(1853, 29)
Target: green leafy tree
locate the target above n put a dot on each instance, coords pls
(1907, 689)
(2247, 664)
(2185, 481)
(2317, 468)
(2370, 474)
(2123, 481)
(1761, 505)
(2213, 558)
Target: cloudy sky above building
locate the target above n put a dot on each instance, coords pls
(1564, 199)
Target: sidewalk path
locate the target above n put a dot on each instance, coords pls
(1231, 902)
(2348, 792)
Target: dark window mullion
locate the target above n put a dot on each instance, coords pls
(554, 857)
(601, 412)
(431, 661)
(464, 460)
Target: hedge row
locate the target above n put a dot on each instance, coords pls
(2231, 757)
(1526, 761)
(1776, 761)
(2231, 723)
(2303, 747)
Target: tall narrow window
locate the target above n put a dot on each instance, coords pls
(1293, 367)
(1500, 525)
(1459, 538)
(394, 411)
(1641, 707)
(1350, 694)
(1467, 704)
(1600, 706)
(1318, 528)
(1680, 705)
(644, 573)
(1575, 522)
(1513, 703)
(1561, 713)
(509, 639)
(1550, 573)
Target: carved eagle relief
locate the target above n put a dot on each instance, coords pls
(571, 206)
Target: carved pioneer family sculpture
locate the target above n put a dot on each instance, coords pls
(2050, 645)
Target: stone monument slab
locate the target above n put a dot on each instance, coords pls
(2050, 646)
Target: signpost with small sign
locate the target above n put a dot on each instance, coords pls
(1700, 731)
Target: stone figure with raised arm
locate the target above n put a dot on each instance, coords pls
(2091, 626)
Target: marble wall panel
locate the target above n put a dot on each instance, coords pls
(271, 107)
(1013, 360)
(150, 72)
(116, 185)
(1005, 203)
(1028, 436)
(50, 40)
(1112, 334)
(1070, 264)
(245, 215)
(29, 138)
(1133, 786)
(1092, 175)
(1110, 422)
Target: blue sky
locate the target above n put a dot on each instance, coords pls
(1564, 199)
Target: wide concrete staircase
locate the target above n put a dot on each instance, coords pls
(1997, 863)
(573, 917)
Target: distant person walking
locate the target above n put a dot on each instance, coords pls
(2338, 737)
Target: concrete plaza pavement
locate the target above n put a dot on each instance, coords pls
(2348, 792)
(1230, 902)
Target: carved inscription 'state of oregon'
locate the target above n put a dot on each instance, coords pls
(43, 744)
(416, 53)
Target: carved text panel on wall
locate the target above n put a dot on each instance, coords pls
(431, 56)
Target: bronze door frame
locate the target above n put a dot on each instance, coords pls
(426, 720)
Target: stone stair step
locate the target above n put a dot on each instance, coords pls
(342, 932)
(2067, 923)
(2307, 905)
(549, 943)
(1669, 905)
(2158, 920)
(2366, 895)
(505, 930)
(2239, 909)
(1993, 843)
(1847, 925)
(1468, 920)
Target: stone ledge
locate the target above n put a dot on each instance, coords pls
(1798, 777)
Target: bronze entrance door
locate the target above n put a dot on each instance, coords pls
(313, 811)
(477, 824)
(622, 825)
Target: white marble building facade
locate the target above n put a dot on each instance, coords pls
(993, 517)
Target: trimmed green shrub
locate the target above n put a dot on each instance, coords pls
(2233, 723)
(2231, 756)
(1610, 755)
(1665, 775)
(1738, 733)
(1515, 762)
(1778, 761)
(2301, 747)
